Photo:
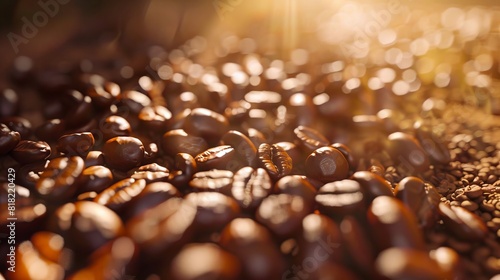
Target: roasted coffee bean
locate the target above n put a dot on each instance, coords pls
(462, 223)
(340, 198)
(103, 93)
(253, 245)
(119, 194)
(358, 245)
(407, 152)
(348, 154)
(433, 146)
(19, 124)
(450, 263)
(219, 157)
(404, 263)
(60, 179)
(8, 139)
(178, 141)
(250, 186)
(94, 158)
(51, 130)
(153, 194)
(164, 228)
(76, 144)
(135, 101)
(214, 210)
(86, 225)
(274, 160)
(9, 103)
(295, 153)
(393, 225)
(327, 164)
(27, 151)
(114, 126)
(95, 178)
(184, 168)
(51, 247)
(296, 185)
(207, 124)
(81, 114)
(256, 137)
(282, 214)
(309, 139)
(123, 153)
(212, 181)
(151, 173)
(155, 120)
(212, 262)
(422, 200)
(372, 184)
(245, 150)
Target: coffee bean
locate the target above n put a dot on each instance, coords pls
(27, 151)
(461, 223)
(340, 198)
(60, 179)
(178, 141)
(213, 180)
(403, 263)
(123, 153)
(422, 200)
(51, 247)
(325, 270)
(8, 139)
(151, 173)
(51, 130)
(372, 184)
(207, 124)
(76, 144)
(155, 120)
(104, 93)
(309, 139)
(296, 185)
(274, 160)
(152, 195)
(94, 158)
(282, 214)
(358, 245)
(219, 157)
(135, 101)
(256, 137)
(449, 261)
(433, 146)
(184, 168)
(117, 196)
(348, 154)
(407, 152)
(114, 126)
(80, 114)
(19, 124)
(95, 178)
(246, 152)
(393, 225)
(250, 186)
(327, 164)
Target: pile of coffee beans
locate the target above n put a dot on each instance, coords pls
(154, 164)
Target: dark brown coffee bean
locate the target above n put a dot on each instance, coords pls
(348, 154)
(8, 139)
(60, 179)
(404, 263)
(245, 150)
(433, 146)
(296, 185)
(219, 157)
(94, 158)
(114, 126)
(175, 217)
(95, 178)
(253, 245)
(9, 103)
(50, 246)
(123, 153)
(462, 223)
(407, 152)
(135, 101)
(274, 160)
(76, 144)
(449, 261)
(86, 225)
(119, 194)
(422, 200)
(256, 137)
(393, 225)
(372, 184)
(27, 151)
(207, 124)
(212, 181)
(250, 187)
(19, 124)
(184, 168)
(80, 114)
(103, 93)
(155, 120)
(309, 139)
(214, 210)
(341, 198)
(51, 130)
(178, 141)
(152, 195)
(215, 263)
(358, 245)
(327, 164)
(282, 214)
(151, 173)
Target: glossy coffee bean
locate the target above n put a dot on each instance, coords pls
(207, 124)
(341, 198)
(253, 245)
(51, 130)
(152, 195)
(274, 160)
(348, 154)
(61, 178)
(246, 152)
(123, 153)
(178, 141)
(219, 157)
(80, 114)
(449, 261)
(117, 196)
(435, 148)
(135, 101)
(404, 263)
(256, 137)
(212, 181)
(250, 186)
(296, 185)
(393, 225)
(358, 245)
(8, 139)
(86, 225)
(327, 164)
(76, 144)
(214, 210)
(155, 120)
(51, 247)
(114, 126)
(422, 199)
(372, 184)
(309, 139)
(407, 152)
(9, 103)
(282, 214)
(462, 223)
(103, 94)
(94, 158)
(212, 262)
(95, 178)
(19, 124)
(27, 151)
(184, 169)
